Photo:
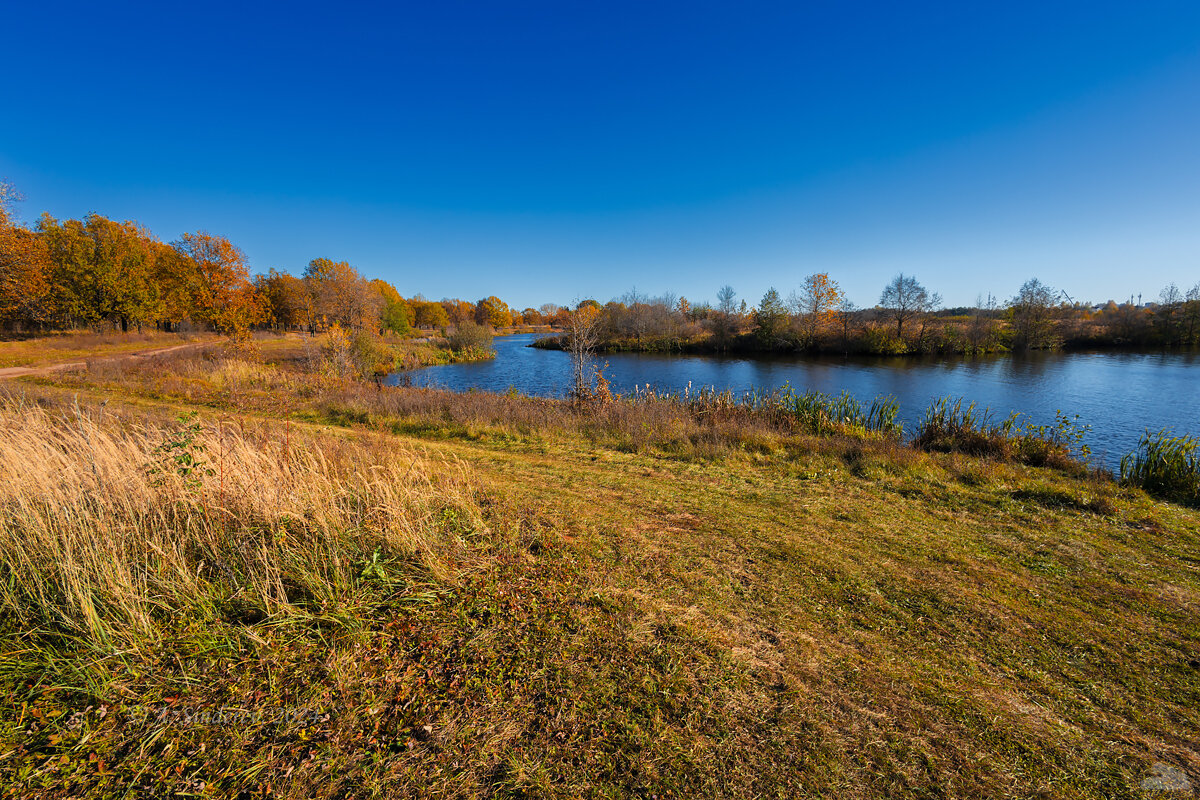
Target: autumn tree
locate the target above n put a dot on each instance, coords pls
(25, 288)
(430, 315)
(904, 299)
(288, 302)
(494, 312)
(9, 197)
(815, 305)
(225, 298)
(395, 314)
(458, 311)
(24, 267)
(103, 270)
(178, 280)
(341, 295)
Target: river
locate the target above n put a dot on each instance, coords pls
(1119, 394)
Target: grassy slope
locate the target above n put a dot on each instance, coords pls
(830, 623)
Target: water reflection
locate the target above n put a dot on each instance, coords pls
(1118, 394)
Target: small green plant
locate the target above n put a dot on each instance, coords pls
(1067, 433)
(182, 454)
(1166, 466)
(373, 569)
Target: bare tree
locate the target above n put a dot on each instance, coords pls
(981, 333)
(847, 316)
(1169, 312)
(727, 300)
(1191, 314)
(723, 320)
(9, 197)
(583, 327)
(904, 298)
(637, 313)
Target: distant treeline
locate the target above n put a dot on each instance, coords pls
(97, 272)
(909, 318)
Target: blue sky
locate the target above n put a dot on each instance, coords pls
(551, 151)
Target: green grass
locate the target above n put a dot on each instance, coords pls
(654, 605)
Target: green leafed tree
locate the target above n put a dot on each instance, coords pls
(770, 319)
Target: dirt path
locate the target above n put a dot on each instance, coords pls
(46, 369)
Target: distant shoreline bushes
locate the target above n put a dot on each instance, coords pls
(908, 320)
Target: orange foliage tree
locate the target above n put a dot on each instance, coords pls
(225, 298)
(25, 289)
(816, 305)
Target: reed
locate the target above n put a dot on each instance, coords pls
(1165, 466)
(815, 412)
(822, 413)
(952, 425)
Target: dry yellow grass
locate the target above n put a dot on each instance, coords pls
(78, 345)
(107, 527)
(664, 604)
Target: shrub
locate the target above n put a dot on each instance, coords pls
(471, 337)
(357, 355)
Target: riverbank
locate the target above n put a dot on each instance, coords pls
(1119, 394)
(356, 590)
(747, 345)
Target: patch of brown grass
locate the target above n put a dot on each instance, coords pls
(83, 344)
(109, 526)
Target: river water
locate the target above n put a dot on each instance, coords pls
(1119, 394)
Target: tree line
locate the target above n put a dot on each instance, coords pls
(909, 318)
(98, 272)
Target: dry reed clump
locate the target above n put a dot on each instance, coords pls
(108, 528)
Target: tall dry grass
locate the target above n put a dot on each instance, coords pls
(110, 527)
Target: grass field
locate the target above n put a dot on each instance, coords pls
(74, 346)
(319, 588)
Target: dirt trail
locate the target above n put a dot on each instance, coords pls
(46, 369)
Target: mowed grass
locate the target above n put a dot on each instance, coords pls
(627, 604)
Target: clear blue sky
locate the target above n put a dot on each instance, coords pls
(549, 151)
